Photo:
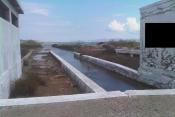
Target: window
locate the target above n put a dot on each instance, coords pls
(4, 12)
(14, 20)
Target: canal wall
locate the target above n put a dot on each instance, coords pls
(131, 52)
(162, 82)
(25, 58)
(123, 70)
(148, 103)
(82, 81)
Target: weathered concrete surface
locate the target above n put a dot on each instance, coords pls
(158, 8)
(125, 71)
(56, 99)
(157, 103)
(128, 51)
(154, 79)
(157, 65)
(10, 57)
(25, 58)
(84, 83)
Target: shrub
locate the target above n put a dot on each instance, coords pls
(25, 62)
(28, 45)
(25, 87)
(109, 49)
(125, 43)
(71, 47)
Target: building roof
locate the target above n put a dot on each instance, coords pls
(17, 6)
(158, 7)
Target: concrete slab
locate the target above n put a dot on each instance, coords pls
(106, 104)
(56, 99)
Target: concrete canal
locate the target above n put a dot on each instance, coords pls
(110, 81)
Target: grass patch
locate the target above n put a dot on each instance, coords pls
(71, 47)
(27, 45)
(31, 43)
(109, 49)
(107, 52)
(26, 86)
(125, 43)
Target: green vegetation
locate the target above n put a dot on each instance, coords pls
(110, 46)
(26, 86)
(71, 47)
(125, 43)
(30, 43)
(106, 50)
(109, 49)
(27, 45)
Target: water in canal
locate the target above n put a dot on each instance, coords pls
(109, 80)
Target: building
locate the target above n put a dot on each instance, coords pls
(157, 64)
(10, 57)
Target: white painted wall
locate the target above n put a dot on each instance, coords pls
(10, 57)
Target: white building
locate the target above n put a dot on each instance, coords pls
(10, 57)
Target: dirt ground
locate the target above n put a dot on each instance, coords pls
(54, 79)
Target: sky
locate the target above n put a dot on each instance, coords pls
(81, 20)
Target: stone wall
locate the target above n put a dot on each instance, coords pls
(157, 65)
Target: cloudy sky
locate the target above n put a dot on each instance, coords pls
(80, 20)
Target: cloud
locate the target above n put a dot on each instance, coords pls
(35, 8)
(132, 24)
(116, 26)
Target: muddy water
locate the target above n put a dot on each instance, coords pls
(110, 81)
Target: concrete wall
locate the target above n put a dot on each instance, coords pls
(154, 103)
(160, 81)
(157, 65)
(25, 58)
(128, 51)
(82, 81)
(10, 57)
(123, 70)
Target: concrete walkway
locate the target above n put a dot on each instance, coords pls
(149, 103)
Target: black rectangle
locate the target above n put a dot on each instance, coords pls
(160, 35)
